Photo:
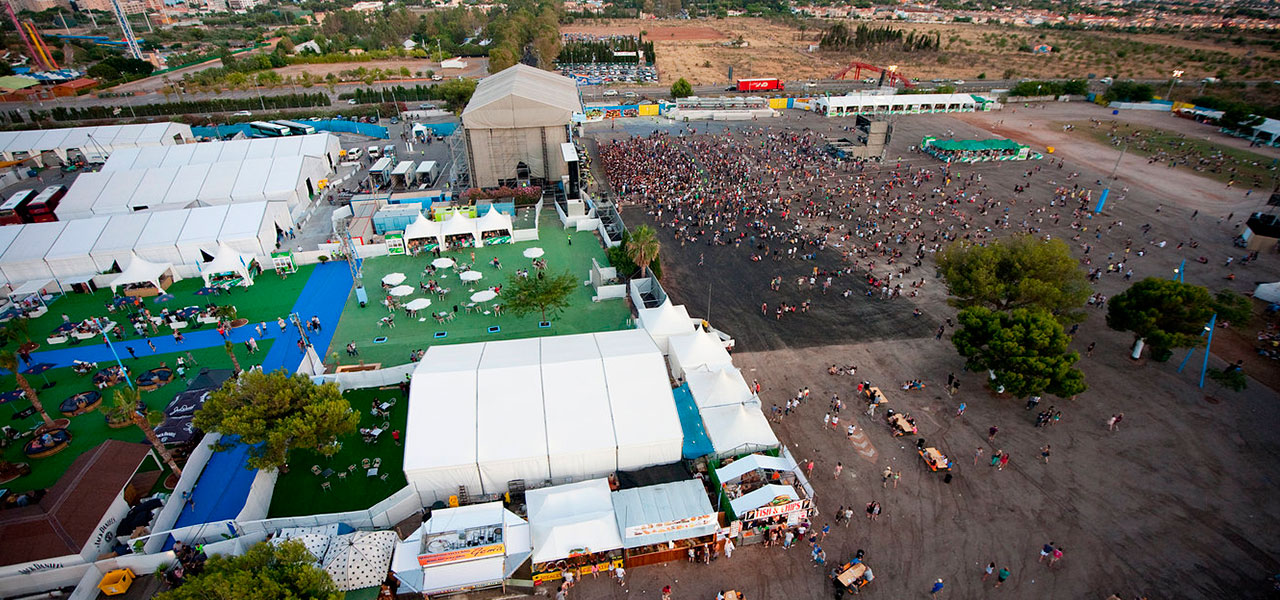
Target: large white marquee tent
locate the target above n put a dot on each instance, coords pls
(665, 321)
(554, 409)
(95, 143)
(568, 518)
(697, 349)
(320, 145)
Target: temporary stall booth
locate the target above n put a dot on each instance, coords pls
(70, 255)
(663, 522)
(230, 267)
(198, 241)
(158, 241)
(24, 259)
(762, 490)
(143, 278)
(665, 321)
(460, 231)
(494, 227)
(722, 386)
(738, 429)
(697, 349)
(462, 549)
(423, 235)
(574, 527)
(771, 504)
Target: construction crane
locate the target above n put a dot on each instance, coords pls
(890, 73)
(130, 40)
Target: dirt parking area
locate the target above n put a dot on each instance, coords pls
(476, 67)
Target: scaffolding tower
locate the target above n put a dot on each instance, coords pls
(460, 170)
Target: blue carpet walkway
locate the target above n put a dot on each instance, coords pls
(696, 442)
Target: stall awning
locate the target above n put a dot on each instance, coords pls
(747, 464)
(764, 496)
(655, 514)
(463, 575)
(31, 287)
(141, 271)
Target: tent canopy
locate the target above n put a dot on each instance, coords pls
(228, 260)
(683, 502)
(723, 386)
(572, 518)
(494, 221)
(762, 497)
(423, 228)
(697, 349)
(665, 321)
(460, 224)
(738, 428)
(522, 96)
(750, 463)
(142, 271)
(1268, 292)
(975, 145)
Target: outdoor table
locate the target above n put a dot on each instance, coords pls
(937, 458)
(384, 406)
(327, 473)
(901, 424)
(731, 595)
(372, 472)
(375, 432)
(852, 574)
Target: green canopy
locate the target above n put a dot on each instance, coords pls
(974, 145)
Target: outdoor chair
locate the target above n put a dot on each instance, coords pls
(377, 462)
(351, 468)
(392, 402)
(324, 485)
(315, 469)
(383, 477)
(342, 476)
(386, 425)
(364, 463)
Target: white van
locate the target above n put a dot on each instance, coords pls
(608, 93)
(374, 152)
(354, 154)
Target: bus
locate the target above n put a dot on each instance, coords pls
(13, 209)
(296, 128)
(266, 129)
(41, 208)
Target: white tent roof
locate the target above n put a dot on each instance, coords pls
(423, 228)
(218, 184)
(441, 434)
(697, 349)
(69, 255)
(683, 502)
(494, 221)
(640, 392)
(573, 517)
(141, 271)
(316, 145)
(24, 259)
(665, 321)
(154, 186)
(158, 240)
(94, 140)
(174, 156)
(580, 426)
(522, 96)
(227, 260)
(251, 179)
(459, 224)
(510, 399)
(82, 195)
(118, 244)
(192, 179)
(722, 386)
(751, 463)
(738, 428)
(200, 233)
(119, 191)
(1268, 292)
(762, 497)
(7, 235)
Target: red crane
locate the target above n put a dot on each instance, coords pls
(892, 75)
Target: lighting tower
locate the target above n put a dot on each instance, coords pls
(130, 40)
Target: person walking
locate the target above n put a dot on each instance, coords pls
(977, 456)
(666, 592)
(873, 510)
(152, 345)
(1045, 551)
(808, 469)
(728, 548)
(1044, 453)
(1115, 423)
(1002, 576)
(937, 589)
(960, 409)
(132, 354)
(1055, 556)
(991, 433)
(839, 468)
(885, 476)
(621, 573)
(986, 572)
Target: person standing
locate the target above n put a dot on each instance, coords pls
(621, 572)
(977, 455)
(937, 588)
(1055, 556)
(960, 409)
(1115, 426)
(728, 548)
(986, 572)
(1002, 576)
(991, 433)
(1004, 460)
(666, 592)
(1044, 453)
(1046, 550)
(839, 468)
(808, 470)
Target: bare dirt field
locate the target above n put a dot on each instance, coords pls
(1177, 503)
(689, 49)
(475, 67)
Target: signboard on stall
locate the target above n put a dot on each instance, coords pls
(671, 526)
(395, 244)
(778, 508)
(452, 556)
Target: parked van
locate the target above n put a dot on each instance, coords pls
(374, 152)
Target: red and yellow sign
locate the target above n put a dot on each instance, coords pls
(776, 509)
(453, 556)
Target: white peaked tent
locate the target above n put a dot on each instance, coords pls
(665, 321)
(1268, 292)
(143, 271)
(761, 497)
(698, 349)
(723, 386)
(423, 228)
(580, 438)
(738, 429)
(494, 221)
(228, 260)
(360, 560)
(441, 435)
(69, 256)
(570, 518)
(460, 224)
(513, 445)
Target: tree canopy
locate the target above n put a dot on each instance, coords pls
(1022, 272)
(1025, 348)
(643, 247)
(275, 413)
(267, 571)
(681, 88)
(1233, 308)
(1167, 314)
(542, 292)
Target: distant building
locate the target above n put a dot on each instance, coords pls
(409, 44)
(242, 4)
(40, 5)
(453, 63)
(307, 45)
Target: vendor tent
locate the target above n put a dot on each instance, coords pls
(69, 256)
(723, 386)
(227, 260)
(753, 462)
(199, 238)
(446, 569)
(575, 518)
(696, 349)
(645, 421)
(656, 514)
(441, 434)
(494, 221)
(423, 228)
(665, 321)
(738, 429)
(140, 270)
(580, 438)
(158, 241)
(1268, 292)
(114, 248)
(24, 259)
(766, 495)
(460, 224)
(510, 384)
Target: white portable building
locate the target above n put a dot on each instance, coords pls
(697, 349)
(513, 429)
(70, 255)
(580, 438)
(428, 561)
(198, 242)
(24, 259)
(738, 429)
(114, 248)
(158, 241)
(657, 514)
(441, 434)
(645, 420)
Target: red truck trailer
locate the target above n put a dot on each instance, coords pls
(759, 85)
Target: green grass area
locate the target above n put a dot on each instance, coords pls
(1216, 161)
(299, 491)
(269, 297)
(361, 325)
(90, 429)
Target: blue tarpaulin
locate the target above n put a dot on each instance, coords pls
(696, 442)
(333, 125)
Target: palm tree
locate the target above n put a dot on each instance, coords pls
(9, 360)
(231, 351)
(128, 401)
(643, 248)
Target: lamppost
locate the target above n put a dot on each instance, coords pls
(1177, 74)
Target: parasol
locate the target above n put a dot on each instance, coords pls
(401, 290)
(418, 304)
(483, 296)
(393, 279)
(39, 369)
(471, 276)
(442, 263)
(533, 253)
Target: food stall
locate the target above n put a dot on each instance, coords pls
(462, 549)
(573, 527)
(143, 278)
(660, 523)
(763, 492)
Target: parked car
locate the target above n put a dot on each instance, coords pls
(351, 101)
(242, 113)
(436, 77)
(608, 93)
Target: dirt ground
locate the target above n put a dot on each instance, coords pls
(695, 50)
(1179, 503)
(476, 67)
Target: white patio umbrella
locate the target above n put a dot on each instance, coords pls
(393, 279)
(483, 296)
(401, 290)
(418, 304)
(442, 263)
(533, 253)
(471, 276)
(360, 560)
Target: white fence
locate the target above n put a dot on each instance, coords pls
(353, 380)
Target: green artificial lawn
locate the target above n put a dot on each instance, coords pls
(268, 298)
(361, 325)
(90, 429)
(299, 492)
